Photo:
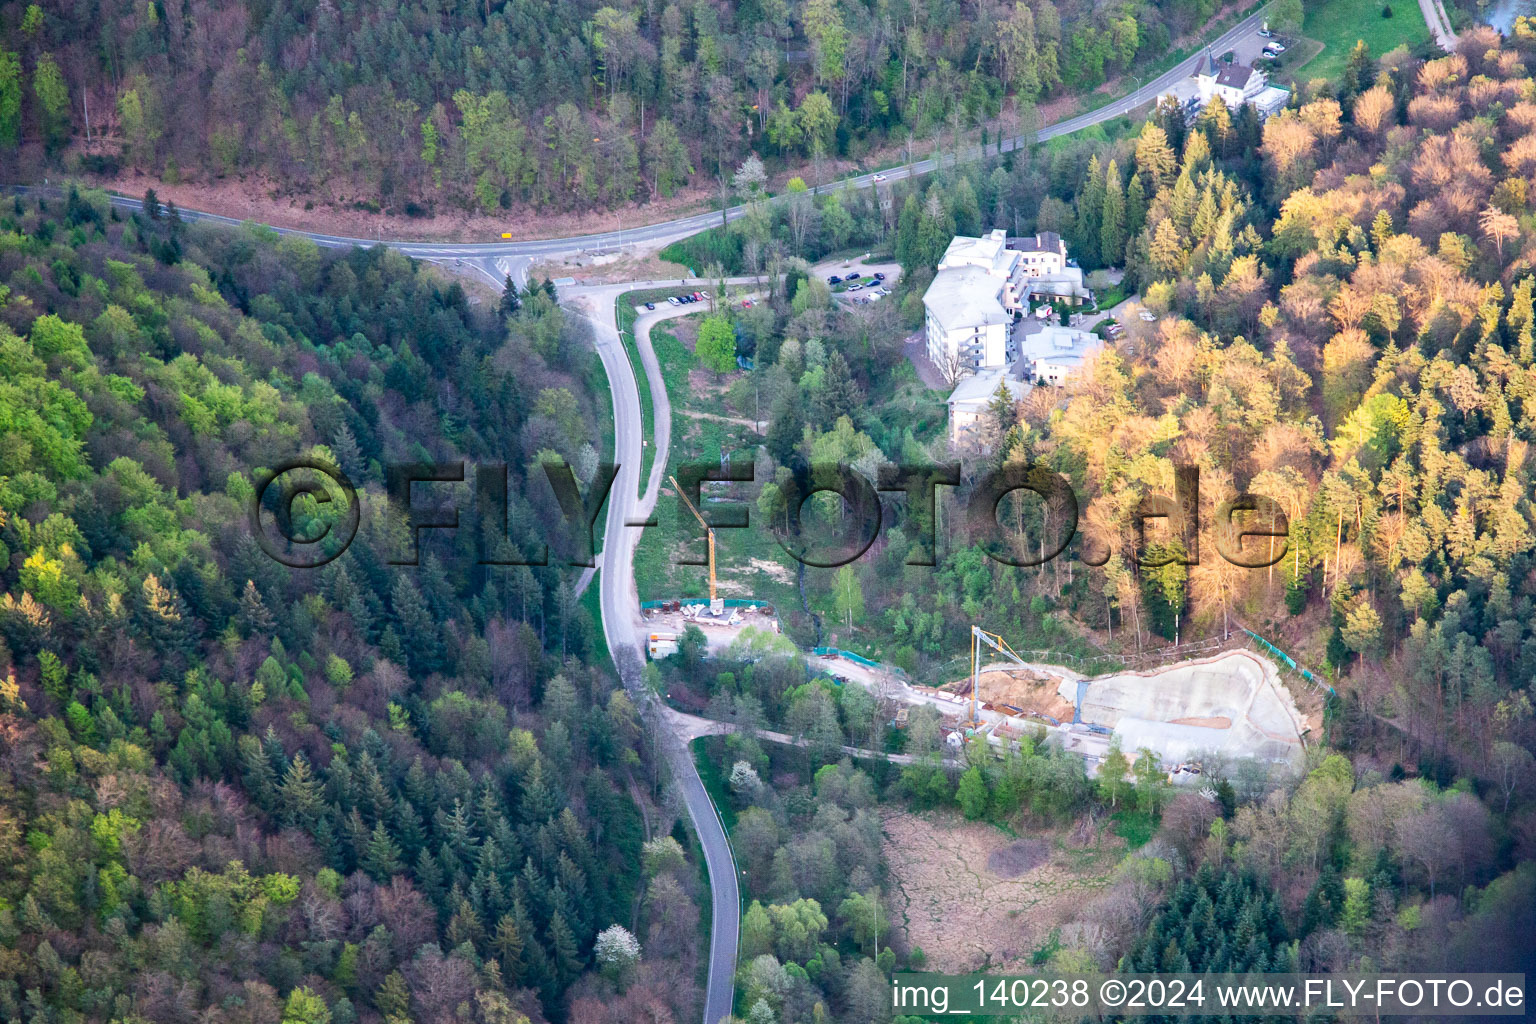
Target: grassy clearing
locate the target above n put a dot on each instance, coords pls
(626, 316)
(591, 600)
(1135, 827)
(740, 554)
(706, 751)
(1338, 24)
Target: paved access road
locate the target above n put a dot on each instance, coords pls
(620, 603)
(493, 262)
(496, 259)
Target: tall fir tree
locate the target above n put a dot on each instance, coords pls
(1112, 217)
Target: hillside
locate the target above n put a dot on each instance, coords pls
(233, 790)
(549, 106)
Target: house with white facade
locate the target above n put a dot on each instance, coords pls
(970, 307)
(1236, 85)
(1054, 353)
(1044, 253)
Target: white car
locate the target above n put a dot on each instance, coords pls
(673, 301)
(878, 178)
(1147, 315)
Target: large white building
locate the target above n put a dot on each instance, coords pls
(1054, 353)
(971, 305)
(1042, 254)
(1236, 85)
(972, 398)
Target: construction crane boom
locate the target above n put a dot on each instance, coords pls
(709, 536)
(980, 636)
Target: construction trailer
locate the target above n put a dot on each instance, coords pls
(661, 645)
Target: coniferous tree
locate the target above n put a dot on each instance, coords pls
(1090, 221)
(1112, 217)
(511, 300)
(381, 859)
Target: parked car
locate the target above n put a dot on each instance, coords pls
(1265, 33)
(1147, 315)
(853, 276)
(879, 276)
(854, 287)
(650, 305)
(703, 295)
(672, 300)
(834, 279)
(746, 303)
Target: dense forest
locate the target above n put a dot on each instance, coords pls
(416, 107)
(1343, 299)
(1345, 319)
(235, 791)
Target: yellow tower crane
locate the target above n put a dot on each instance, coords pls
(709, 535)
(979, 637)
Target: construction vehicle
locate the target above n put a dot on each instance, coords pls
(716, 603)
(979, 637)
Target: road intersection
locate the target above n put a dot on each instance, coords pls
(628, 506)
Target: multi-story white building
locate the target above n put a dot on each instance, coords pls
(1044, 254)
(971, 305)
(1236, 85)
(1054, 353)
(973, 397)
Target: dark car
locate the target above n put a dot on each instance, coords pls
(879, 276)
(650, 305)
(834, 279)
(853, 276)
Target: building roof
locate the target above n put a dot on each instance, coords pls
(1270, 99)
(990, 252)
(1235, 76)
(1067, 281)
(965, 296)
(979, 388)
(1060, 346)
(1045, 241)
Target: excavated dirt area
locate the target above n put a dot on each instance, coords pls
(1023, 688)
(973, 897)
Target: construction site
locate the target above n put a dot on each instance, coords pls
(719, 619)
(1234, 704)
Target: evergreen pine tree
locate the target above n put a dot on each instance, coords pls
(511, 301)
(1135, 207)
(420, 640)
(1112, 217)
(564, 950)
(253, 617)
(381, 859)
(299, 794)
(508, 943)
(1090, 206)
(344, 446)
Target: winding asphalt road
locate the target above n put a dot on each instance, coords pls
(496, 259)
(627, 506)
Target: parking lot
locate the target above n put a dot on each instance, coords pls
(855, 280)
